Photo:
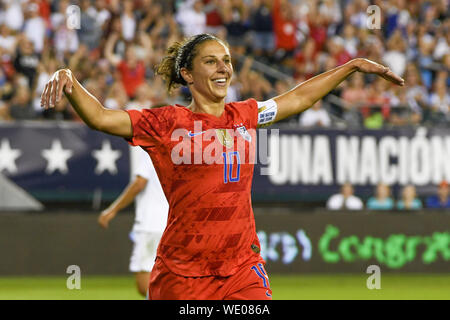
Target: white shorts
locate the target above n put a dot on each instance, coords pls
(144, 250)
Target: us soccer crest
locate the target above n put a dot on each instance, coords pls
(244, 133)
(225, 138)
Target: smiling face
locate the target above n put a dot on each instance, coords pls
(211, 71)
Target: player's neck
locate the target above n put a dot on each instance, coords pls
(200, 105)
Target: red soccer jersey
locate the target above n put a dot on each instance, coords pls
(210, 227)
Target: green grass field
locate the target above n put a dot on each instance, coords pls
(299, 287)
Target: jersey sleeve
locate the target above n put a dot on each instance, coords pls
(252, 112)
(150, 127)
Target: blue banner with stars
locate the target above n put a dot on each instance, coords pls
(66, 161)
(63, 161)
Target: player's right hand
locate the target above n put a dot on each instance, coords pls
(53, 90)
(105, 217)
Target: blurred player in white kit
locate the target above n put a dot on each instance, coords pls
(151, 215)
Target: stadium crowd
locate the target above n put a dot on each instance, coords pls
(383, 199)
(113, 46)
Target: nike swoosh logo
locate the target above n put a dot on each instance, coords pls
(193, 134)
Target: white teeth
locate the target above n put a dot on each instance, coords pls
(220, 80)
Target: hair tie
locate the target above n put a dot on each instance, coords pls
(187, 49)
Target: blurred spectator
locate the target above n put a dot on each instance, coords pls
(351, 41)
(26, 60)
(45, 70)
(442, 45)
(61, 111)
(132, 66)
(261, 22)
(214, 21)
(355, 13)
(337, 50)
(395, 57)
(89, 32)
(416, 94)
(235, 16)
(440, 103)
(378, 105)
(191, 17)
(81, 63)
(128, 20)
(4, 112)
(401, 114)
(103, 15)
(256, 86)
(354, 96)
(13, 14)
(317, 116)
(253, 84)
(7, 41)
(411, 40)
(93, 85)
(442, 199)
(6, 87)
(425, 59)
(345, 200)
(34, 28)
(19, 108)
(65, 39)
(446, 63)
(382, 199)
(408, 200)
(152, 21)
(317, 25)
(374, 120)
(58, 17)
(143, 98)
(397, 17)
(285, 28)
(116, 97)
(330, 11)
(305, 62)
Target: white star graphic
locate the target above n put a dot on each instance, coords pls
(8, 157)
(56, 157)
(106, 158)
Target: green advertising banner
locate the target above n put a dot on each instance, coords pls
(292, 241)
(351, 241)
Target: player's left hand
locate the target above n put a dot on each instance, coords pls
(368, 66)
(105, 217)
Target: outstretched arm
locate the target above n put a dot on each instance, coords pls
(123, 201)
(97, 117)
(307, 93)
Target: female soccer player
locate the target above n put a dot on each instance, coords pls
(209, 249)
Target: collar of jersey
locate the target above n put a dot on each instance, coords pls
(210, 117)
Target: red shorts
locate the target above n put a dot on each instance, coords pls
(249, 283)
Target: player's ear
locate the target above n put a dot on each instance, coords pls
(186, 75)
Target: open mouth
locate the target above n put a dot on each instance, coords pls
(220, 81)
